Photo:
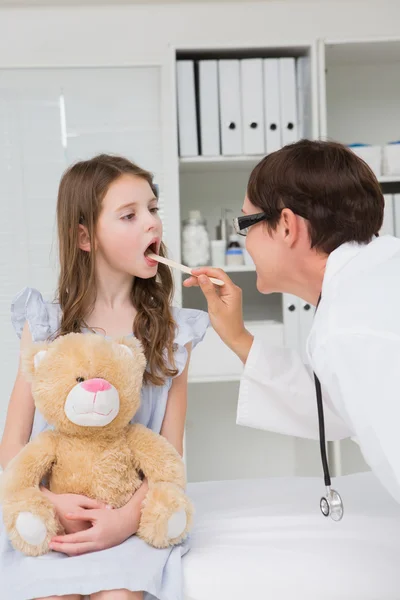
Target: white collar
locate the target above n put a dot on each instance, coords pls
(338, 259)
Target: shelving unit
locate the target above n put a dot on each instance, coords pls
(359, 90)
(353, 99)
(210, 184)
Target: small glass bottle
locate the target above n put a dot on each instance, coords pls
(195, 240)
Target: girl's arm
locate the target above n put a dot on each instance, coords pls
(21, 410)
(173, 426)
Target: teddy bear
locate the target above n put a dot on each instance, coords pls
(88, 387)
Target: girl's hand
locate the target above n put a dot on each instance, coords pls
(225, 309)
(105, 528)
(71, 503)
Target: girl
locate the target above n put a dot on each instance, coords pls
(107, 221)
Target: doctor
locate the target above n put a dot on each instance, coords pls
(311, 215)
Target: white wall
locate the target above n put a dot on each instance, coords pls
(125, 34)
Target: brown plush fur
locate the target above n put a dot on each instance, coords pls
(104, 463)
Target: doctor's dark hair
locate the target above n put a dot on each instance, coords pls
(326, 184)
(81, 192)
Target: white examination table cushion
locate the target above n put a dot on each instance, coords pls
(259, 539)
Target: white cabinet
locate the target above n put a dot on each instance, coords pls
(212, 184)
(348, 91)
(213, 361)
(359, 91)
(362, 87)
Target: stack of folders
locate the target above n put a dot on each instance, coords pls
(391, 219)
(236, 107)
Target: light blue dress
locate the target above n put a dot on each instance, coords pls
(133, 565)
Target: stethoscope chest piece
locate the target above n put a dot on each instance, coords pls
(331, 505)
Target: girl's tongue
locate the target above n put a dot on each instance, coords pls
(151, 249)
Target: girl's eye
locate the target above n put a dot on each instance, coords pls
(128, 217)
(154, 210)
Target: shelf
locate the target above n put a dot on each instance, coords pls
(216, 163)
(362, 52)
(238, 268)
(389, 179)
(213, 362)
(215, 379)
(198, 163)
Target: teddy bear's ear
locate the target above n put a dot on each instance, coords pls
(126, 349)
(32, 357)
(133, 347)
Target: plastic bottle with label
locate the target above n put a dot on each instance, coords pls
(234, 252)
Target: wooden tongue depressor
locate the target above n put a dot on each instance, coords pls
(175, 265)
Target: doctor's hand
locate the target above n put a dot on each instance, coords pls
(225, 309)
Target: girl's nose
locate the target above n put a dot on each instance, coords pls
(152, 221)
(151, 225)
(96, 385)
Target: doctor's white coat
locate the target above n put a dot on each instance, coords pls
(354, 348)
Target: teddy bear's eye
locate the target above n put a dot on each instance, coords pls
(80, 379)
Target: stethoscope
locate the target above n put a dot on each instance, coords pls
(331, 505)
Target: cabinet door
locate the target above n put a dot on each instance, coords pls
(50, 118)
(291, 321)
(297, 321)
(306, 317)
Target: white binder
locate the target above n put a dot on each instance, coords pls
(209, 108)
(304, 103)
(186, 97)
(287, 80)
(230, 107)
(388, 216)
(251, 80)
(396, 213)
(272, 104)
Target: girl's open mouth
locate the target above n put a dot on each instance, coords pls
(151, 248)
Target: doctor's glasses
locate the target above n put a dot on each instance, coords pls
(243, 223)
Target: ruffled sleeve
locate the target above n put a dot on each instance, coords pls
(42, 317)
(191, 327)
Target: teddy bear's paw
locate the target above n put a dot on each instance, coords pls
(166, 515)
(177, 524)
(31, 528)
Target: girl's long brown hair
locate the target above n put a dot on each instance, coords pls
(81, 192)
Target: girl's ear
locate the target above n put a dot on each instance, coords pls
(83, 238)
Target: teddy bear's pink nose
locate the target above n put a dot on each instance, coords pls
(96, 385)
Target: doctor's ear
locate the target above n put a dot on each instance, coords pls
(289, 226)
